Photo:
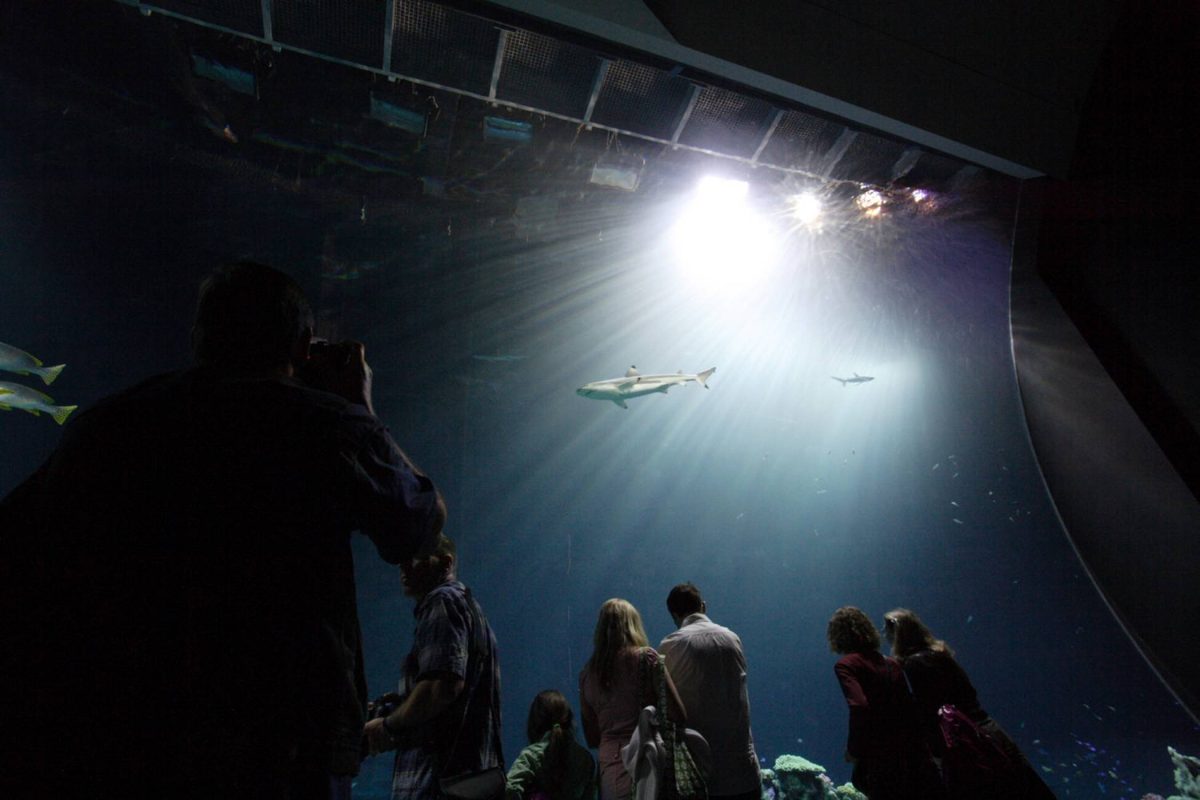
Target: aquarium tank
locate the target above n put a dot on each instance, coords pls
(505, 216)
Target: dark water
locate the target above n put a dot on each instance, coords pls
(780, 492)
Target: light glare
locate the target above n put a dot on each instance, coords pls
(869, 199)
(806, 208)
(720, 242)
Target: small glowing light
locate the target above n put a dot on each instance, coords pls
(720, 242)
(806, 208)
(869, 199)
(873, 212)
(919, 195)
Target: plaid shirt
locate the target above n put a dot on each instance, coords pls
(452, 638)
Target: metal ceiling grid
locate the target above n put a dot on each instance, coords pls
(727, 122)
(870, 160)
(349, 30)
(468, 55)
(443, 46)
(933, 169)
(642, 100)
(798, 140)
(547, 73)
(238, 15)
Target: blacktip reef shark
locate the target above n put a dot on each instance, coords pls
(14, 395)
(634, 384)
(856, 379)
(13, 359)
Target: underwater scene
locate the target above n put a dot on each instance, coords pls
(823, 408)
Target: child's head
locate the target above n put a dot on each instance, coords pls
(549, 708)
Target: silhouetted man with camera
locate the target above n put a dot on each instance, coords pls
(181, 619)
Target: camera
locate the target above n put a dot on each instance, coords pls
(377, 709)
(382, 706)
(326, 360)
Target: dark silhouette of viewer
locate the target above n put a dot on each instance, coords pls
(179, 612)
(938, 680)
(891, 760)
(706, 663)
(553, 766)
(444, 723)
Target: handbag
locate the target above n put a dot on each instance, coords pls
(972, 759)
(683, 777)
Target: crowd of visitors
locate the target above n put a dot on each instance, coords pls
(179, 618)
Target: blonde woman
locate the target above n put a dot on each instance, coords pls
(616, 683)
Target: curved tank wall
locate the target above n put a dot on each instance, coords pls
(781, 492)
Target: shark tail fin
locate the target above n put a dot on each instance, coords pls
(62, 412)
(704, 376)
(48, 374)
(842, 381)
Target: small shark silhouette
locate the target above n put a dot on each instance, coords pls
(856, 379)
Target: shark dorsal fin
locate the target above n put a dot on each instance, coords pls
(631, 372)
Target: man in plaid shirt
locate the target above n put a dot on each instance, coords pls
(447, 722)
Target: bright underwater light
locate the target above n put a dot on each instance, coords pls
(806, 208)
(869, 199)
(720, 242)
(870, 202)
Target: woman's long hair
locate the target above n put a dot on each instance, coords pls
(909, 635)
(551, 712)
(618, 627)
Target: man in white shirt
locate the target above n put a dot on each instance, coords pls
(706, 663)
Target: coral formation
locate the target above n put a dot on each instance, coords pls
(847, 792)
(797, 778)
(1187, 775)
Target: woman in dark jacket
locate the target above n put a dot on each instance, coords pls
(937, 680)
(890, 756)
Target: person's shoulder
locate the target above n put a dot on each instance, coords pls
(930, 659)
(871, 660)
(143, 399)
(324, 412)
(320, 401)
(449, 597)
(723, 632)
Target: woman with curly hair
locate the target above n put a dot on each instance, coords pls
(554, 766)
(890, 757)
(937, 680)
(617, 682)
